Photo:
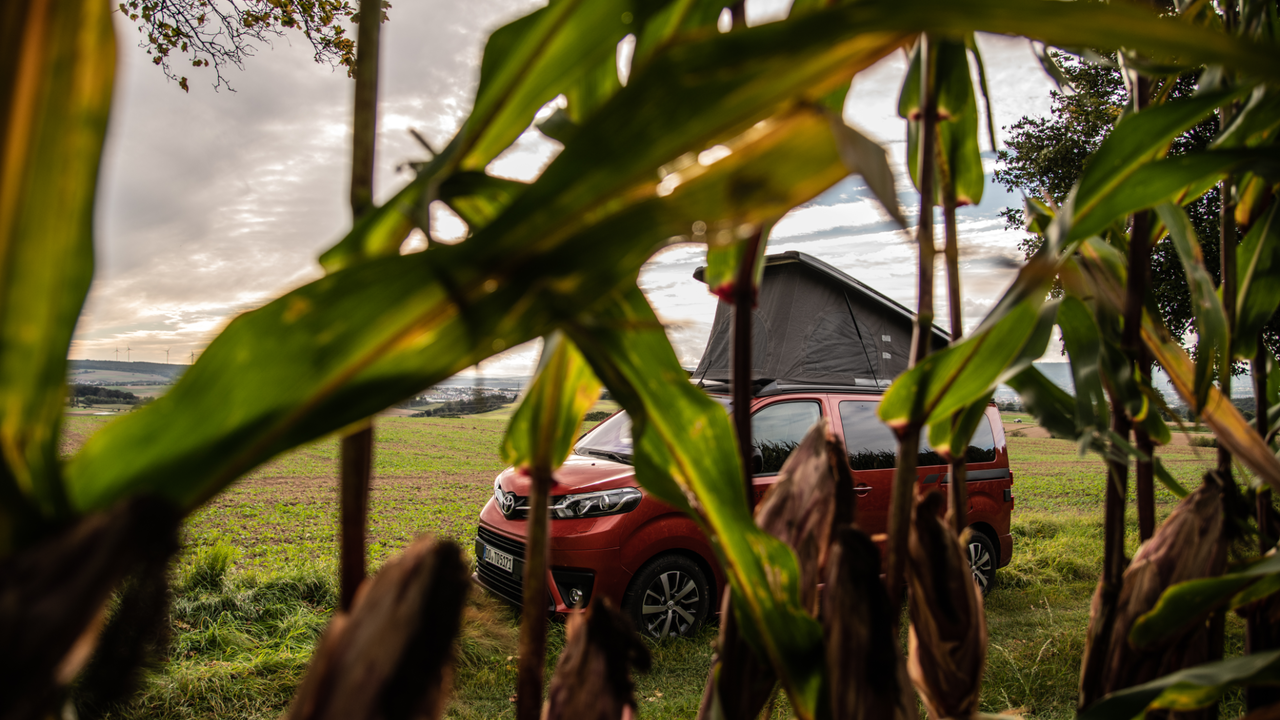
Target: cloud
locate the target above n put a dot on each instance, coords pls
(212, 203)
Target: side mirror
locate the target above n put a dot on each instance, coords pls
(757, 460)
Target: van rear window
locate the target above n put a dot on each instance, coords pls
(872, 445)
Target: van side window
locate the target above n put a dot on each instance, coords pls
(870, 443)
(873, 446)
(982, 448)
(778, 429)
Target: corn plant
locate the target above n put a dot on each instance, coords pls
(559, 258)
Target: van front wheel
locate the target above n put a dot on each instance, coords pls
(669, 597)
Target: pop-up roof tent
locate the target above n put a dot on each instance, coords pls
(815, 325)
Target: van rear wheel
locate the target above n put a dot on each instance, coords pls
(982, 560)
(669, 597)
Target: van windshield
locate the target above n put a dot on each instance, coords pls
(612, 440)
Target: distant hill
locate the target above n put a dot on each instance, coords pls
(171, 371)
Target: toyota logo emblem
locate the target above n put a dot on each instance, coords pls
(506, 502)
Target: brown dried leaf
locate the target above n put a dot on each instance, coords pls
(593, 677)
(802, 507)
(390, 656)
(866, 671)
(813, 494)
(739, 683)
(52, 596)
(1188, 545)
(948, 639)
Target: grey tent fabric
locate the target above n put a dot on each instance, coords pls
(815, 325)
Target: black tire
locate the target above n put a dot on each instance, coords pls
(982, 560)
(669, 597)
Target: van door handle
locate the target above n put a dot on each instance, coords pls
(862, 490)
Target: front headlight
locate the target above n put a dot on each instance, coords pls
(595, 504)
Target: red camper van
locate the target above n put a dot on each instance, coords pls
(827, 346)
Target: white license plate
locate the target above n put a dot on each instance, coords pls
(499, 558)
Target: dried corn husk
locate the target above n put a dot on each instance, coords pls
(814, 493)
(390, 656)
(948, 639)
(866, 670)
(1188, 545)
(53, 597)
(593, 677)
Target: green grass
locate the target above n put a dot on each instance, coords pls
(256, 585)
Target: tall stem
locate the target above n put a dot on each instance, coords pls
(1135, 350)
(744, 300)
(533, 614)
(1227, 247)
(1266, 533)
(1259, 634)
(366, 107)
(904, 477)
(957, 471)
(357, 448)
(357, 467)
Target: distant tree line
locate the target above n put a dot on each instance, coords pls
(479, 402)
(89, 394)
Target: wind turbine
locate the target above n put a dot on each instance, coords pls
(117, 354)
(166, 356)
(193, 357)
(127, 350)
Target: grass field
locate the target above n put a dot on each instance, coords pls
(255, 585)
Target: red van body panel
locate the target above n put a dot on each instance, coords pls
(602, 554)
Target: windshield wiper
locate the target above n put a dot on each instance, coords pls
(607, 455)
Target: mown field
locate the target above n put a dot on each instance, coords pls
(255, 585)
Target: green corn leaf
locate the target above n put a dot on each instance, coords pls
(1083, 343)
(1257, 292)
(1229, 426)
(379, 233)
(61, 63)
(686, 450)
(1120, 371)
(1186, 602)
(962, 374)
(1265, 587)
(866, 157)
(479, 198)
(971, 42)
(1157, 429)
(726, 251)
(1211, 321)
(1179, 179)
(1167, 479)
(943, 434)
(958, 132)
(1138, 139)
(1051, 68)
(957, 119)
(532, 60)
(677, 20)
(1255, 123)
(1188, 689)
(1052, 407)
(545, 425)
(597, 84)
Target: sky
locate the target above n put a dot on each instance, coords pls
(213, 202)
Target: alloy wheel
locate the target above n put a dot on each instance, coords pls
(981, 564)
(670, 605)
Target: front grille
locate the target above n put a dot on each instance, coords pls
(508, 585)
